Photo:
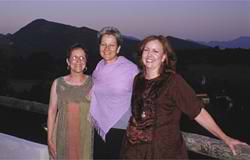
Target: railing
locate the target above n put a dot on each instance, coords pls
(26, 105)
(16, 148)
(214, 148)
(197, 143)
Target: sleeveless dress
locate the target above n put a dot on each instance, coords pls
(73, 133)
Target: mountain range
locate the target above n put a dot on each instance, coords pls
(45, 36)
(241, 42)
(41, 35)
(37, 51)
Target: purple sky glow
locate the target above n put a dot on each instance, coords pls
(205, 20)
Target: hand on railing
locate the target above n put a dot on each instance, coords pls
(232, 143)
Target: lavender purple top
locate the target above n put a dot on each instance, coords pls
(111, 94)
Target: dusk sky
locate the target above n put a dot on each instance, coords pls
(199, 20)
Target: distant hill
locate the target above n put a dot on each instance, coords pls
(42, 36)
(181, 44)
(131, 37)
(241, 42)
(51, 38)
(6, 48)
(4, 39)
(45, 36)
(37, 52)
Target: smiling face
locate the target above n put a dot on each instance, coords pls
(153, 55)
(109, 48)
(77, 60)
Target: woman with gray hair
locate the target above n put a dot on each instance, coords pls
(111, 95)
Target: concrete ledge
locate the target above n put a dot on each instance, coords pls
(16, 148)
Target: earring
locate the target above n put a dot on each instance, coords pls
(68, 67)
(85, 69)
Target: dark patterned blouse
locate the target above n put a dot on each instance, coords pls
(157, 106)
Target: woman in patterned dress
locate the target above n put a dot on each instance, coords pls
(69, 131)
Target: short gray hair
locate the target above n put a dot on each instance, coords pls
(109, 30)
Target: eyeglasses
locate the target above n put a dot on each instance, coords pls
(76, 58)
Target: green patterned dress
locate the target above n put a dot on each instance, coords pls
(73, 133)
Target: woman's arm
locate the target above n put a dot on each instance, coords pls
(52, 111)
(205, 120)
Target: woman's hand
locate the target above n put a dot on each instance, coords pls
(52, 149)
(205, 120)
(231, 142)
